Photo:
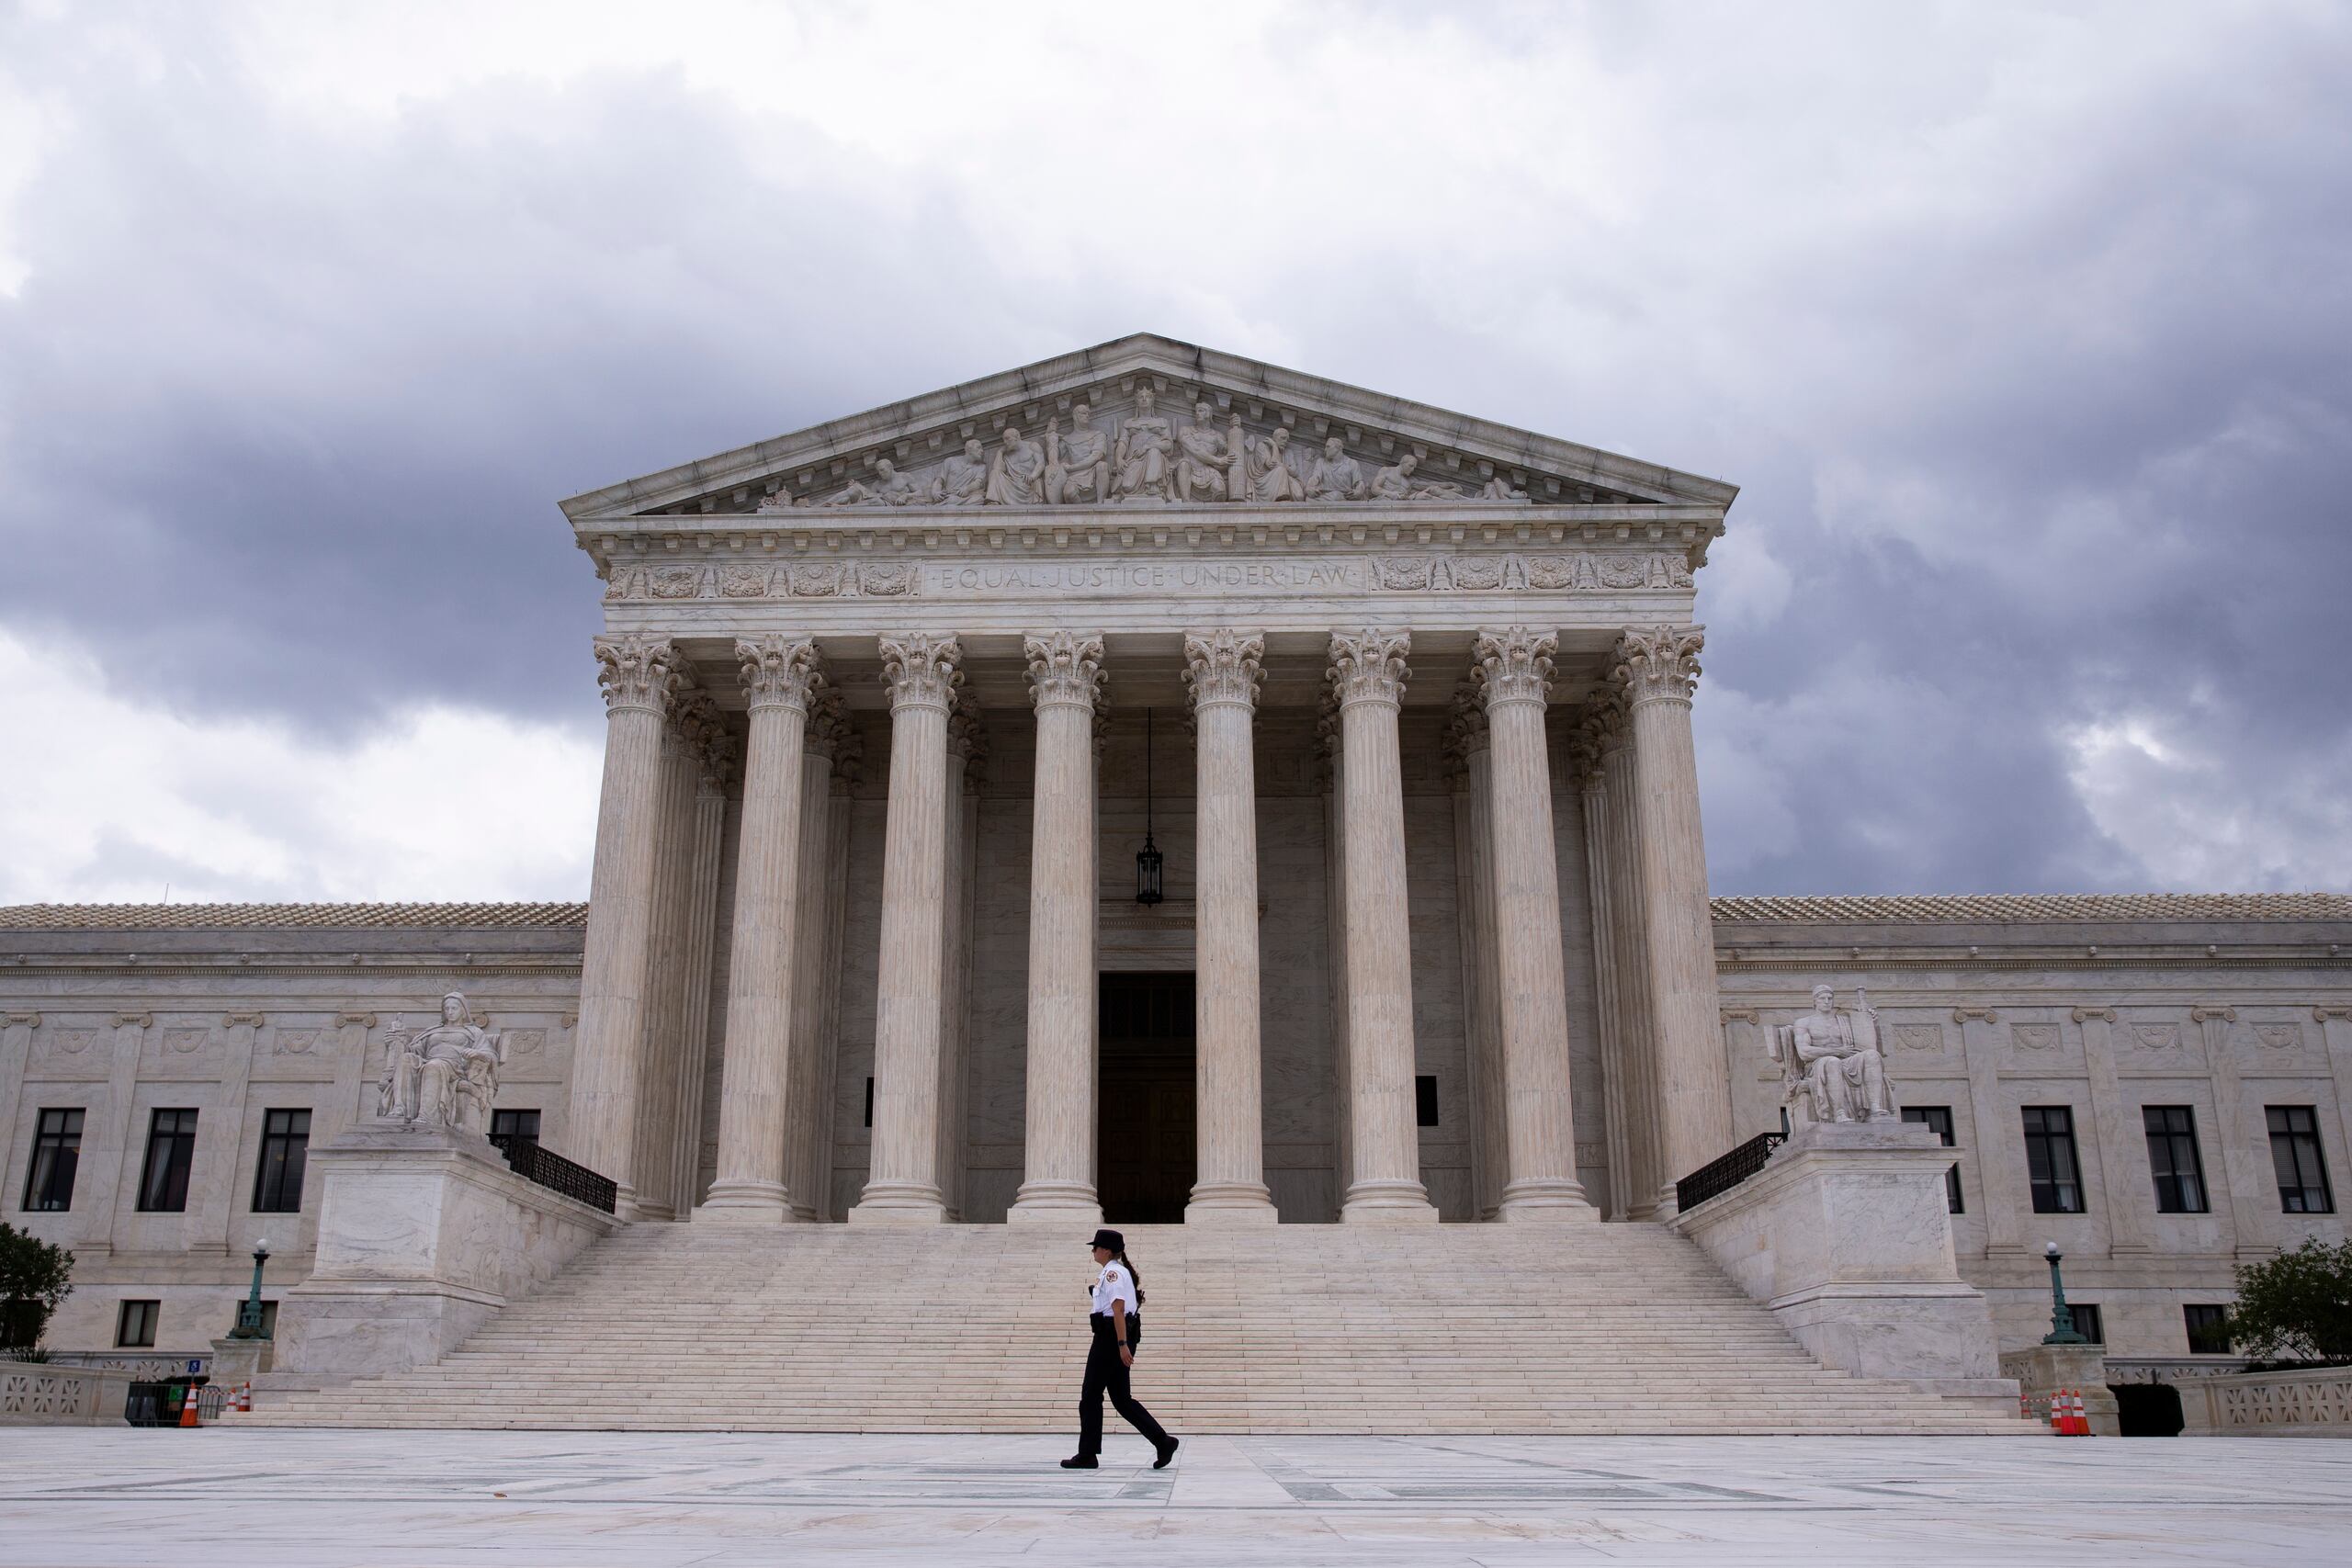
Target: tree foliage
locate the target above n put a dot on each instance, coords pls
(2297, 1305)
(35, 1276)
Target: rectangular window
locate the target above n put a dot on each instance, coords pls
(2173, 1158)
(135, 1328)
(2087, 1322)
(171, 1150)
(2294, 1150)
(2050, 1159)
(524, 1124)
(869, 1102)
(269, 1320)
(57, 1154)
(2206, 1335)
(285, 1151)
(1937, 1119)
(1425, 1101)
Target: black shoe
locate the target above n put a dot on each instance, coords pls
(1165, 1455)
(1083, 1462)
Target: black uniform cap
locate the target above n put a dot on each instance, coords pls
(1111, 1239)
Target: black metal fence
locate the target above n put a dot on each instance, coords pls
(528, 1159)
(1718, 1177)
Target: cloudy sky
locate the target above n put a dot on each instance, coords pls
(2027, 333)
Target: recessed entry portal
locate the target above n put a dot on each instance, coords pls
(1147, 1153)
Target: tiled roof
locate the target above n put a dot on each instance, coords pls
(282, 917)
(1995, 907)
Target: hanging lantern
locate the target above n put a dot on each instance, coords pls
(1148, 891)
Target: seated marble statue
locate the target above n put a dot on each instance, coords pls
(1017, 478)
(963, 479)
(445, 1076)
(1146, 459)
(1078, 466)
(1830, 1061)
(1336, 475)
(1205, 458)
(1270, 474)
(890, 488)
(1398, 484)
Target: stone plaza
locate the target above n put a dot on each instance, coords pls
(1157, 787)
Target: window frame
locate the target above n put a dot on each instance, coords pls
(2165, 1146)
(291, 1148)
(153, 1318)
(1425, 1106)
(2097, 1321)
(2296, 1200)
(51, 1149)
(2189, 1326)
(163, 1190)
(2053, 1139)
(509, 1123)
(1926, 1116)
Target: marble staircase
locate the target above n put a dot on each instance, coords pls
(1620, 1328)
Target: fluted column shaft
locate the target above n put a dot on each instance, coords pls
(1660, 667)
(608, 1058)
(659, 1089)
(1531, 994)
(920, 670)
(701, 948)
(1222, 670)
(780, 678)
(1064, 676)
(804, 1174)
(1369, 671)
(1629, 952)
(1616, 1099)
(1335, 926)
(1475, 854)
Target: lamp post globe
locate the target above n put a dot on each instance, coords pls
(2061, 1321)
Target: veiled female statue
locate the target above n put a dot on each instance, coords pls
(446, 1075)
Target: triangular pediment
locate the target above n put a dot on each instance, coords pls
(1159, 415)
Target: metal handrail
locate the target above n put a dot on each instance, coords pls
(1718, 1177)
(533, 1161)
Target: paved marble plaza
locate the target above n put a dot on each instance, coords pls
(344, 1499)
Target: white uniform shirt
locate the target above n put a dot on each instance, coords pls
(1114, 1284)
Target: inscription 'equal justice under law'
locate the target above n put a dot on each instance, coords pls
(1152, 576)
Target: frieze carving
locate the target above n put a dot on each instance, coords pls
(2034, 1037)
(186, 1041)
(1919, 1036)
(1065, 667)
(1223, 666)
(295, 1041)
(2156, 1036)
(2280, 1037)
(1369, 666)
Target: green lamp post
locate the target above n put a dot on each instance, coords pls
(249, 1311)
(2062, 1322)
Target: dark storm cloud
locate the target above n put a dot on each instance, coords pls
(2040, 400)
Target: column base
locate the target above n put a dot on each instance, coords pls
(1388, 1202)
(1054, 1203)
(900, 1203)
(1551, 1200)
(745, 1203)
(1230, 1203)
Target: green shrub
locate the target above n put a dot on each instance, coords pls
(34, 1277)
(2296, 1306)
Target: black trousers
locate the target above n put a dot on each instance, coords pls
(1106, 1371)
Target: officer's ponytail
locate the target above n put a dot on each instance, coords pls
(1135, 1277)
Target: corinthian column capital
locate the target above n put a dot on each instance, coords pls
(1588, 739)
(779, 671)
(1514, 665)
(637, 673)
(1660, 663)
(1369, 665)
(1222, 667)
(1065, 667)
(1467, 734)
(918, 670)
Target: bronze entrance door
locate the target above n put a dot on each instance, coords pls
(1147, 1153)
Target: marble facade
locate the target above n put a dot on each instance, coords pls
(1421, 691)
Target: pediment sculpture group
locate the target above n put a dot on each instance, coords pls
(1152, 459)
(445, 1075)
(1831, 1061)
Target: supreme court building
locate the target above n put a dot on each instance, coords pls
(1155, 786)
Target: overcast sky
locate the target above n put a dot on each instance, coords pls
(2027, 333)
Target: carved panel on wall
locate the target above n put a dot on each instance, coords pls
(70, 1042)
(2280, 1037)
(1919, 1036)
(525, 1042)
(2156, 1036)
(182, 1042)
(295, 1041)
(2034, 1037)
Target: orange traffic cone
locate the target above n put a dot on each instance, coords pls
(188, 1410)
(244, 1396)
(2081, 1415)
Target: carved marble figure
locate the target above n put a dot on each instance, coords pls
(1336, 475)
(1078, 466)
(1271, 477)
(1499, 488)
(1017, 478)
(890, 488)
(446, 1075)
(1147, 451)
(1398, 484)
(1830, 1061)
(964, 479)
(1207, 460)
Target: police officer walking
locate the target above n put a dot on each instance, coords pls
(1117, 1298)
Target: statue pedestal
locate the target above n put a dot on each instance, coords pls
(241, 1361)
(1845, 1235)
(2042, 1369)
(423, 1233)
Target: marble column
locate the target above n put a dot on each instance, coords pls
(637, 675)
(2000, 1146)
(655, 1161)
(780, 679)
(920, 670)
(1531, 994)
(216, 1194)
(1065, 680)
(1660, 667)
(1592, 795)
(2336, 1032)
(1474, 863)
(2245, 1167)
(823, 1106)
(16, 1054)
(966, 754)
(2119, 1132)
(109, 1159)
(1335, 930)
(1629, 953)
(805, 1167)
(1368, 671)
(1222, 670)
(718, 763)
